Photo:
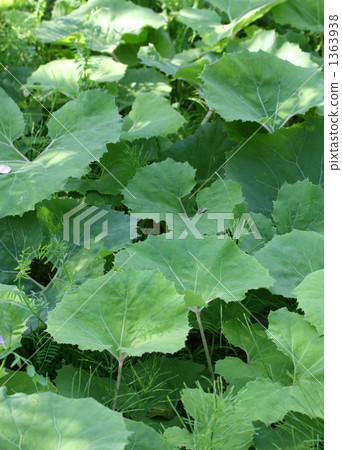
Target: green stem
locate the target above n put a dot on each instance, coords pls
(118, 378)
(2, 364)
(205, 345)
(207, 116)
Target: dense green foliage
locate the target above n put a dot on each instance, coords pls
(131, 315)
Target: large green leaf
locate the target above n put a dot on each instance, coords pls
(124, 312)
(222, 196)
(204, 150)
(263, 358)
(298, 339)
(251, 86)
(269, 401)
(62, 74)
(144, 437)
(290, 258)
(138, 81)
(48, 420)
(280, 376)
(209, 267)
(310, 293)
(271, 42)
(265, 400)
(243, 12)
(80, 264)
(159, 188)
(78, 133)
(217, 423)
(74, 263)
(151, 115)
(12, 127)
(207, 23)
(248, 241)
(121, 161)
(103, 32)
(299, 206)
(15, 310)
(240, 15)
(264, 163)
(305, 15)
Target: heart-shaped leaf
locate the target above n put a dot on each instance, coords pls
(124, 312)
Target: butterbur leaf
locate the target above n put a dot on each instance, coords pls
(308, 395)
(284, 367)
(243, 12)
(208, 267)
(159, 188)
(299, 206)
(12, 128)
(143, 80)
(151, 115)
(267, 161)
(124, 312)
(240, 14)
(62, 75)
(310, 293)
(80, 265)
(192, 299)
(113, 20)
(119, 164)
(271, 42)
(290, 258)
(252, 87)
(143, 437)
(204, 150)
(263, 357)
(222, 196)
(265, 400)
(306, 15)
(179, 437)
(207, 23)
(269, 401)
(105, 69)
(299, 340)
(48, 420)
(14, 313)
(248, 241)
(78, 132)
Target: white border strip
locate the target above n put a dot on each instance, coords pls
(333, 242)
